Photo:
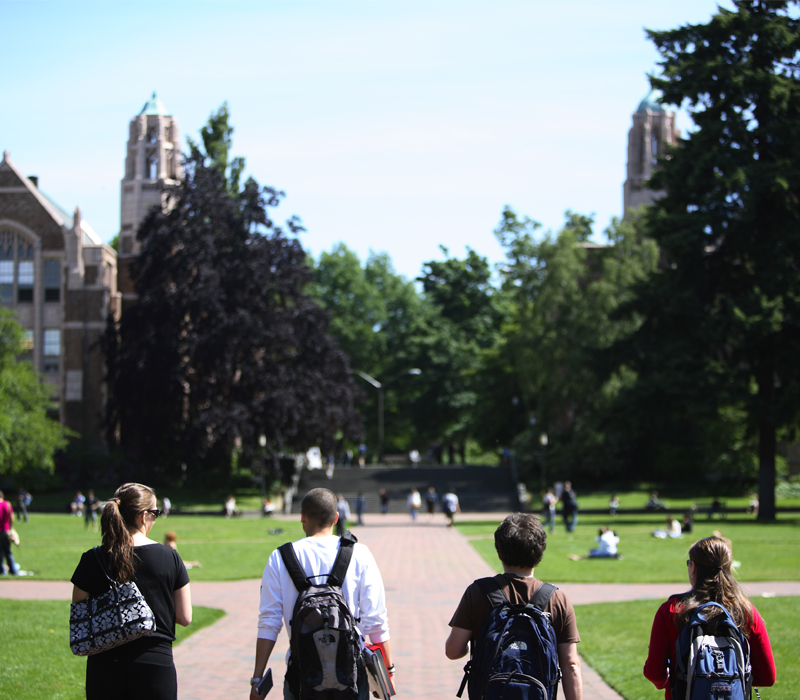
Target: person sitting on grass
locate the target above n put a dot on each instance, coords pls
(673, 530)
(607, 541)
(171, 541)
(655, 503)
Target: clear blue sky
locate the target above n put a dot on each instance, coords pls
(392, 126)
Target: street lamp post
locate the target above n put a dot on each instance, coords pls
(262, 440)
(380, 386)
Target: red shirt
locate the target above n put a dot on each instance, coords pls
(5, 516)
(664, 634)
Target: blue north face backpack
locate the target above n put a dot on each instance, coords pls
(515, 656)
(711, 666)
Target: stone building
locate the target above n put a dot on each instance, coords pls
(652, 131)
(61, 281)
(153, 160)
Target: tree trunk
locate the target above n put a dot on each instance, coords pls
(766, 448)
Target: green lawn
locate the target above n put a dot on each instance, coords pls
(614, 639)
(51, 545)
(205, 500)
(675, 502)
(238, 548)
(37, 662)
(765, 552)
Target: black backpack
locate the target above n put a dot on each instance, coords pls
(515, 656)
(326, 646)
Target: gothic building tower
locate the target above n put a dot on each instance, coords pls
(153, 159)
(652, 131)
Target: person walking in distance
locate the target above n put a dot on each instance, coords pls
(343, 510)
(569, 507)
(384, 499)
(520, 541)
(362, 588)
(414, 503)
(549, 501)
(90, 508)
(6, 521)
(431, 501)
(23, 501)
(450, 507)
(361, 507)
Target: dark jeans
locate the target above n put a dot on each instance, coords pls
(5, 553)
(570, 519)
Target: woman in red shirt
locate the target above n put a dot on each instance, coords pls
(709, 568)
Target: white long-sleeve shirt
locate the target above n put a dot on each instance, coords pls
(362, 588)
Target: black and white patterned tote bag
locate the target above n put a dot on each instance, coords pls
(116, 617)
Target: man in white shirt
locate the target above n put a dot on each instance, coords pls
(362, 587)
(450, 507)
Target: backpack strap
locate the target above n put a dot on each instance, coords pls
(343, 557)
(299, 579)
(494, 591)
(336, 577)
(542, 596)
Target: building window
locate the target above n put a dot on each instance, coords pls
(27, 346)
(17, 274)
(25, 280)
(6, 281)
(52, 280)
(150, 164)
(52, 350)
(73, 390)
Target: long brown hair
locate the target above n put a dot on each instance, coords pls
(119, 517)
(714, 582)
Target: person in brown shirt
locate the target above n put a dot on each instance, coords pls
(520, 541)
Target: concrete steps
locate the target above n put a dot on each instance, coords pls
(479, 489)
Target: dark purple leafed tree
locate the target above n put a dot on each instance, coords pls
(224, 345)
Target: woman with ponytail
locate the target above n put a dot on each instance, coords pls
(144, 667)
(711, 578)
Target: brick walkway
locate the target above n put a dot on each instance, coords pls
(425, 566)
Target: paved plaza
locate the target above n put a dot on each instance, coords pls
(426, 567)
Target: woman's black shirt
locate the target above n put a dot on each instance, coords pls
(159, 572)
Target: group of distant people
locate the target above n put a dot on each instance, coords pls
(449, 504)
(569, 506)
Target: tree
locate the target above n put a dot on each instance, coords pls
(28, 436)
(358, 309)
(461, 323)
(727, 298)
(217, 137)
(223, 345)
(563, 293)
(374, 314)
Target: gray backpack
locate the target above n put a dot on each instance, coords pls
(325, 662)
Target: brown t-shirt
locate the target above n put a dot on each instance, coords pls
(475, 607)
